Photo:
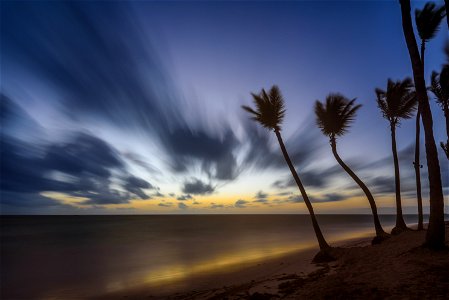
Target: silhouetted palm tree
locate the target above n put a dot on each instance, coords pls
(440, 88)
(334, 119)
(270, 113)
(436, 231)
(396, 103)
(427, 22)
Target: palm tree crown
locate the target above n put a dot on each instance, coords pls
(336, 115)
(439, 84)
(439, 89)
(398, 101)
(270, 108)
(428, 20)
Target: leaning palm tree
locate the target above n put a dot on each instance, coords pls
(440, 88)
(436, 231)
(396, 103)
(334, 118)
(269, 112)
(428, 22)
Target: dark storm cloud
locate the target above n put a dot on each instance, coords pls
(197, 187)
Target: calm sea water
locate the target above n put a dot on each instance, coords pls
(48, 256)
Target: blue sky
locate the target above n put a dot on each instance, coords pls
(134, 107)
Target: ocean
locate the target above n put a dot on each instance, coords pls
(44, 257)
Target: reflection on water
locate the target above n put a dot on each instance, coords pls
(79, 255)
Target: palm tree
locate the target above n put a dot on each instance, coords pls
(427, 22)
(396, 103)
(269, 112)
(440, 88)
(334, 119)
(436, 231)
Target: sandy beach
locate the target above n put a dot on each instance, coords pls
(396, 269)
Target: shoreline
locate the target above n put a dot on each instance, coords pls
(396, 268)
(258, 270)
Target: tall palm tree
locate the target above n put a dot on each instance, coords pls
(396, 103)
(428, 22)
(269, 112)
(440, 88)
(436, 231)
(334, 119)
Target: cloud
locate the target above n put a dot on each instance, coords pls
(295, 199)
(214, 205)
(136, 186)
(197, 187)
(261, 201)
(182, 206)
(166, 204)
(30, 203)
(333, 197)
(141, 162)
(184, 197)
(261, 195)
(241, 203)
(82, 165)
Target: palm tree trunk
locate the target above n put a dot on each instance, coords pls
(400, 224)
(372, 203)
(435, 236)
(417, 163)
(417, 166)
(321, 241)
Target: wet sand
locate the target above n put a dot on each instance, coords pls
(399, 268)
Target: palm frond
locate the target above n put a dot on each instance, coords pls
(428, 20)
(335, 117)
(398, 101)
(269, 108)
(441, 95)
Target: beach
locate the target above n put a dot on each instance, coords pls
(185, 257)
(398, 268)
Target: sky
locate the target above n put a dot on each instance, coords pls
(135, 107)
